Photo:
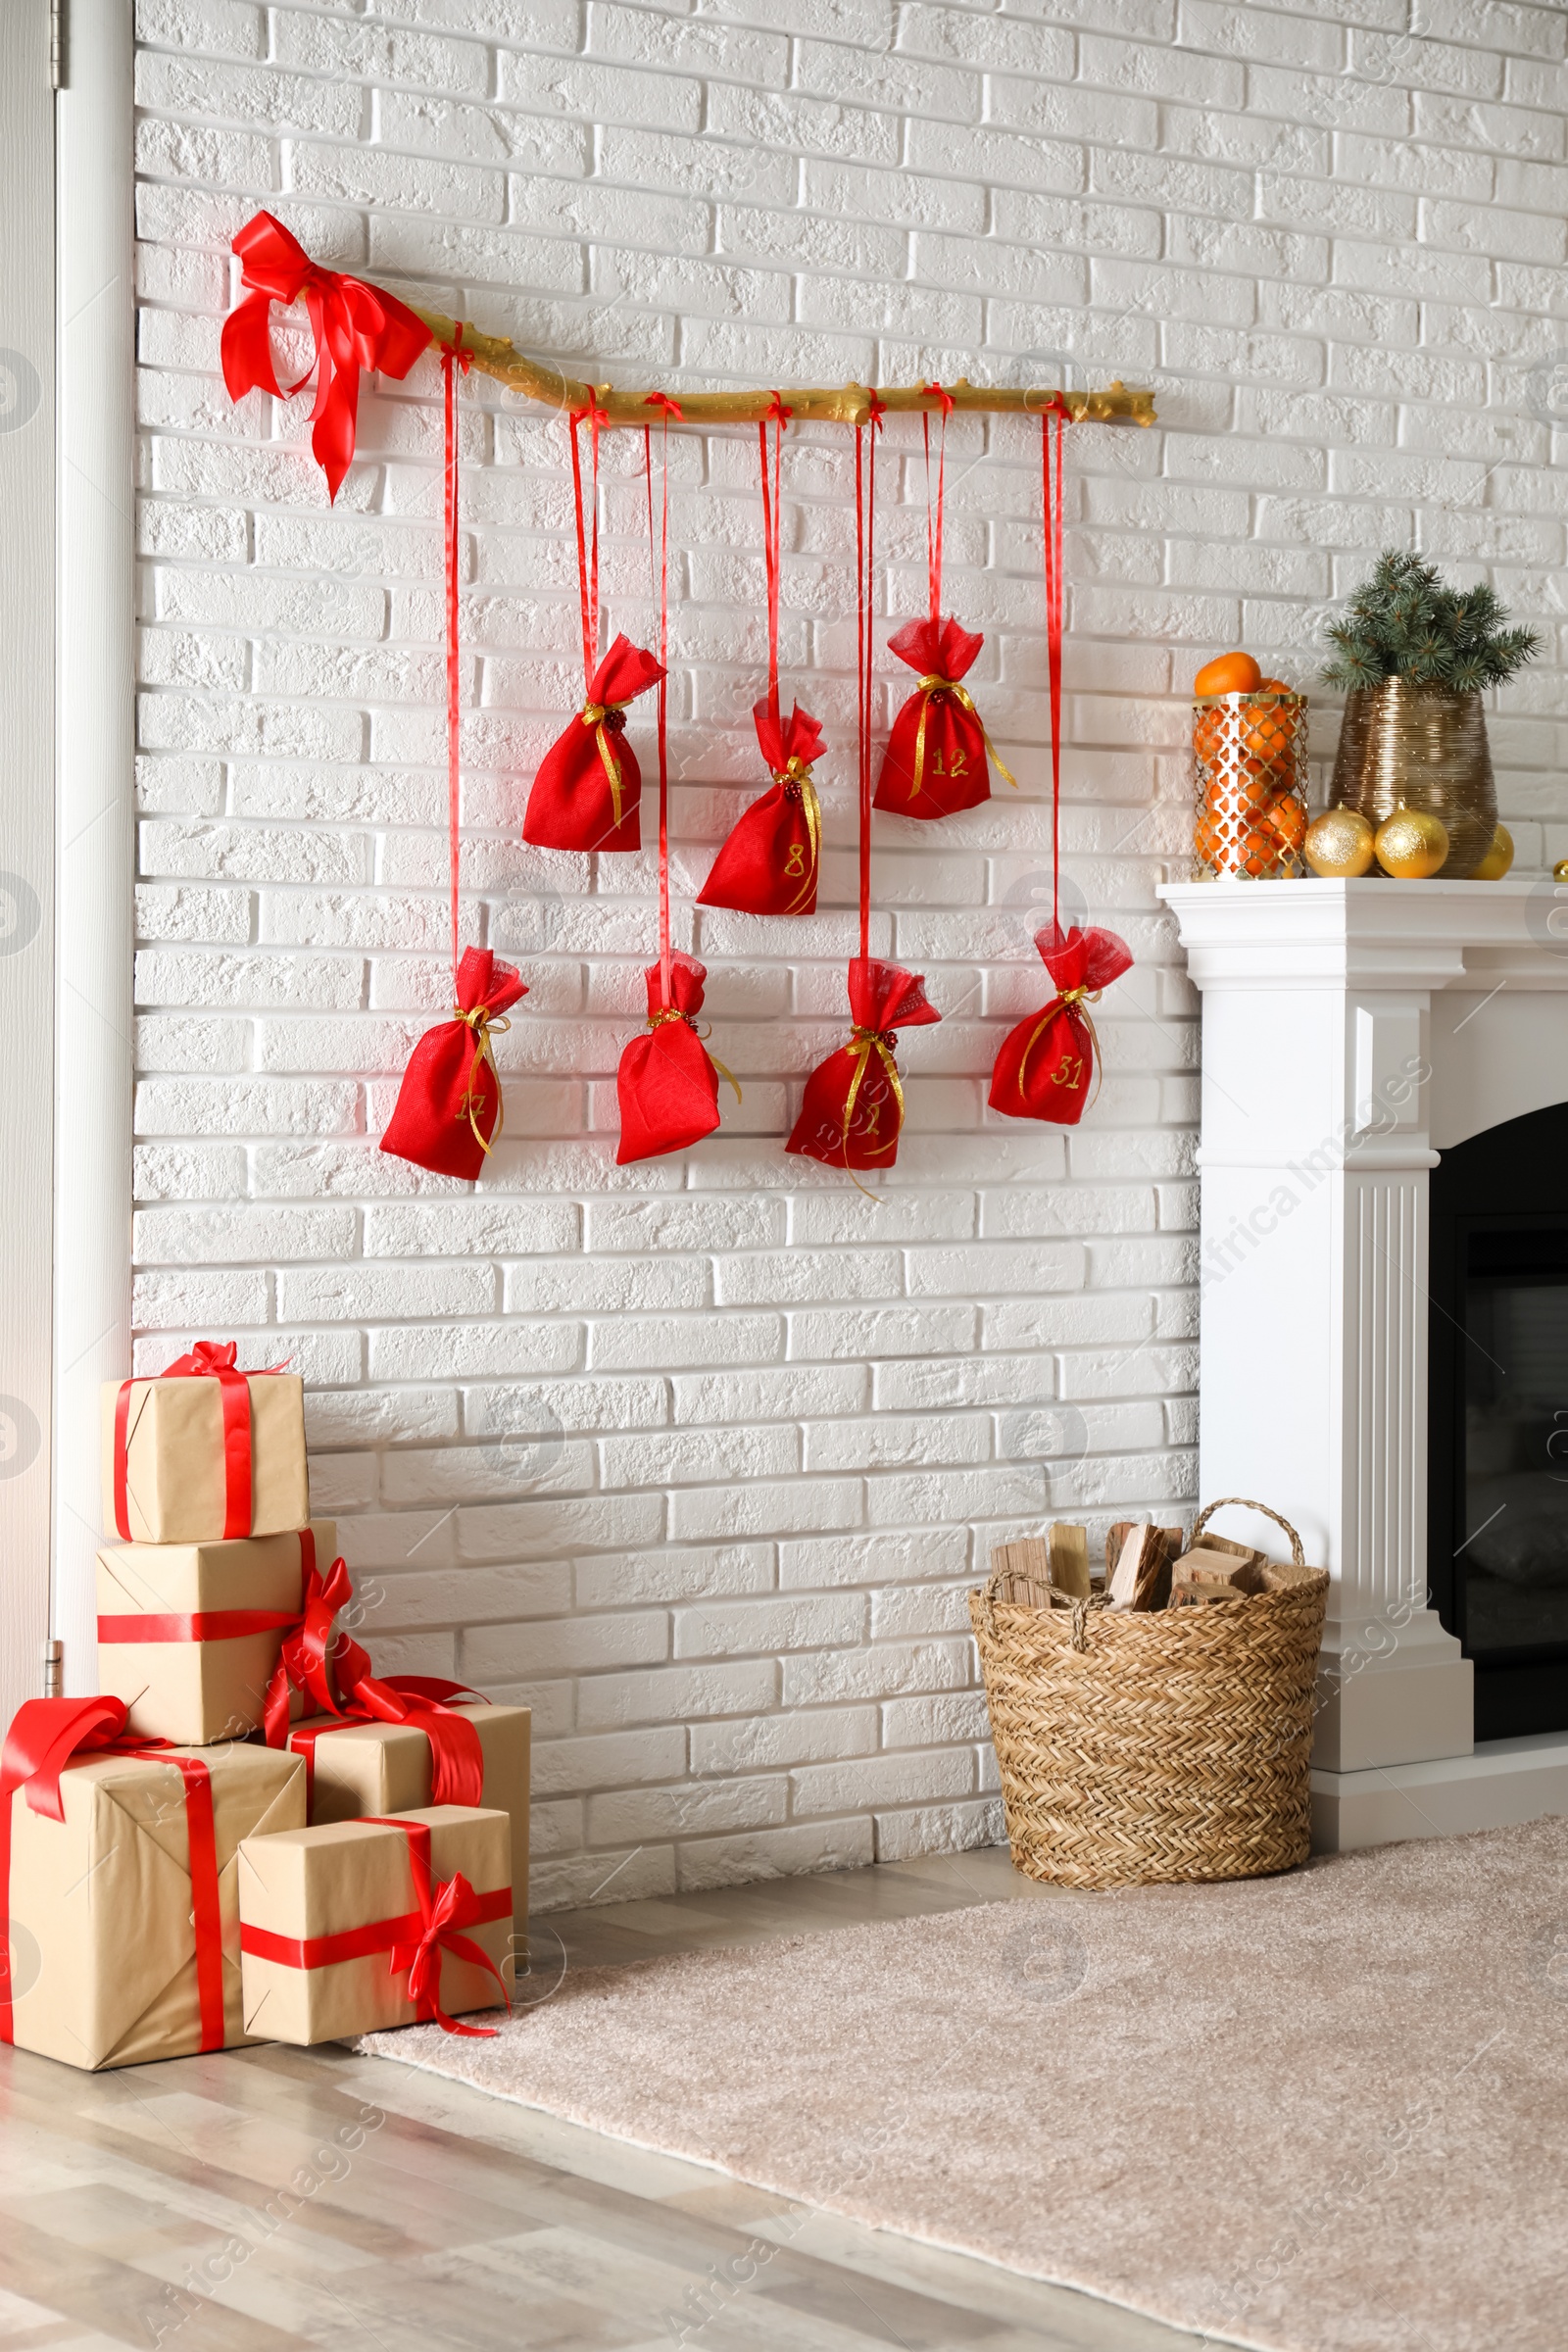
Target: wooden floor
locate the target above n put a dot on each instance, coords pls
(262, 2199)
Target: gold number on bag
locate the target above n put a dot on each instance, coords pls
(1070, 1072)
(795, 862)
(959, 767)
(874, 1117)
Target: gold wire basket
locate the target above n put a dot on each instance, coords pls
(1249, 786)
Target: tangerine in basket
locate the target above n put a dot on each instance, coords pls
(1208, 841)
(1208, 733)
(1260, 850)
(1286, 818)
(1228, 673)
(1270, 734)
(1236, 792)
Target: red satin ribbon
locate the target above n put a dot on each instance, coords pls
(587, 543)
(865, 601)
(457, 1759)
(355, 327)
(933, 531)
(352, 1695)
(452, 357)
(778, 415)
(202, 1625)
(227, 1625)
(1050, 495)
(415, 1940)
(206, 1361)
(46, 1737)
(302, 1663)
(664, 950)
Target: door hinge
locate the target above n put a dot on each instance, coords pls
(54, 1669)
(57, 44)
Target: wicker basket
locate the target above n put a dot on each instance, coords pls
(1171, 1744)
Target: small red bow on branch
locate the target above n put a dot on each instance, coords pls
(355, 327)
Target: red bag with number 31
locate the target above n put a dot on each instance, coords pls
(1047, 1064)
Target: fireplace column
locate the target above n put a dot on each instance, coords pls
(1314, 1161)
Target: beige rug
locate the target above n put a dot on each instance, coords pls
(1324, 2112)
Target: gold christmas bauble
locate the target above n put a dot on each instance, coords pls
(1411, 844)
(1559, 873)
(1339, 844)
(1498, 859)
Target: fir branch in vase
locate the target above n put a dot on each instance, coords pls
(1406, 622)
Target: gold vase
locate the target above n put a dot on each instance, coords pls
(1424, 746)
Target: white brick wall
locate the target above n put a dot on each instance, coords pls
(699, 1456)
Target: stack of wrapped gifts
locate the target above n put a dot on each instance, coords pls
(248, 1835)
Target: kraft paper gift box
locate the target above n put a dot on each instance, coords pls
(385, 1768)
(165, 1639)
(175, 1488)
(330, 1918)
(104, 1908)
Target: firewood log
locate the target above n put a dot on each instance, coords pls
(1068, 1548)
(1140, 1579)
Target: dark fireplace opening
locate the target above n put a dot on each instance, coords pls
(1497, 1497)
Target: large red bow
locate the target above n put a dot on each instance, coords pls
(355, 327)
(445, 1907)
(456, 1760)
(47, 1734)
(302, 1660)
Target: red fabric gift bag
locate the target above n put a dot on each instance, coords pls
(769, 863)
(588, 790)
(449, 1106)
(853, 1112)
(935, 763)
(1047, 1063)
(668, 1082)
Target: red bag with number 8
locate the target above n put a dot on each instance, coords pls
(1045, 1067)
(768, 865)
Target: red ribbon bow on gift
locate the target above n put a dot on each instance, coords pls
(301, 1661)
(46, 1735)
(445, 1907)
(355, 327)
(456, 1760)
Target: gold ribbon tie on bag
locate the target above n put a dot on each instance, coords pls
(863, 1043)
(1072, 1000)
(960, 694)
(607, 719)
(796, 778)
(672, 1012)
(481, 1024)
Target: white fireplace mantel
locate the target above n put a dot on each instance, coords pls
(1352, 1031)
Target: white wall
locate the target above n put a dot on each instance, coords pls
(791, 1423)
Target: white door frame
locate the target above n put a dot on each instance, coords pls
(95, 794)
(27, 835)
